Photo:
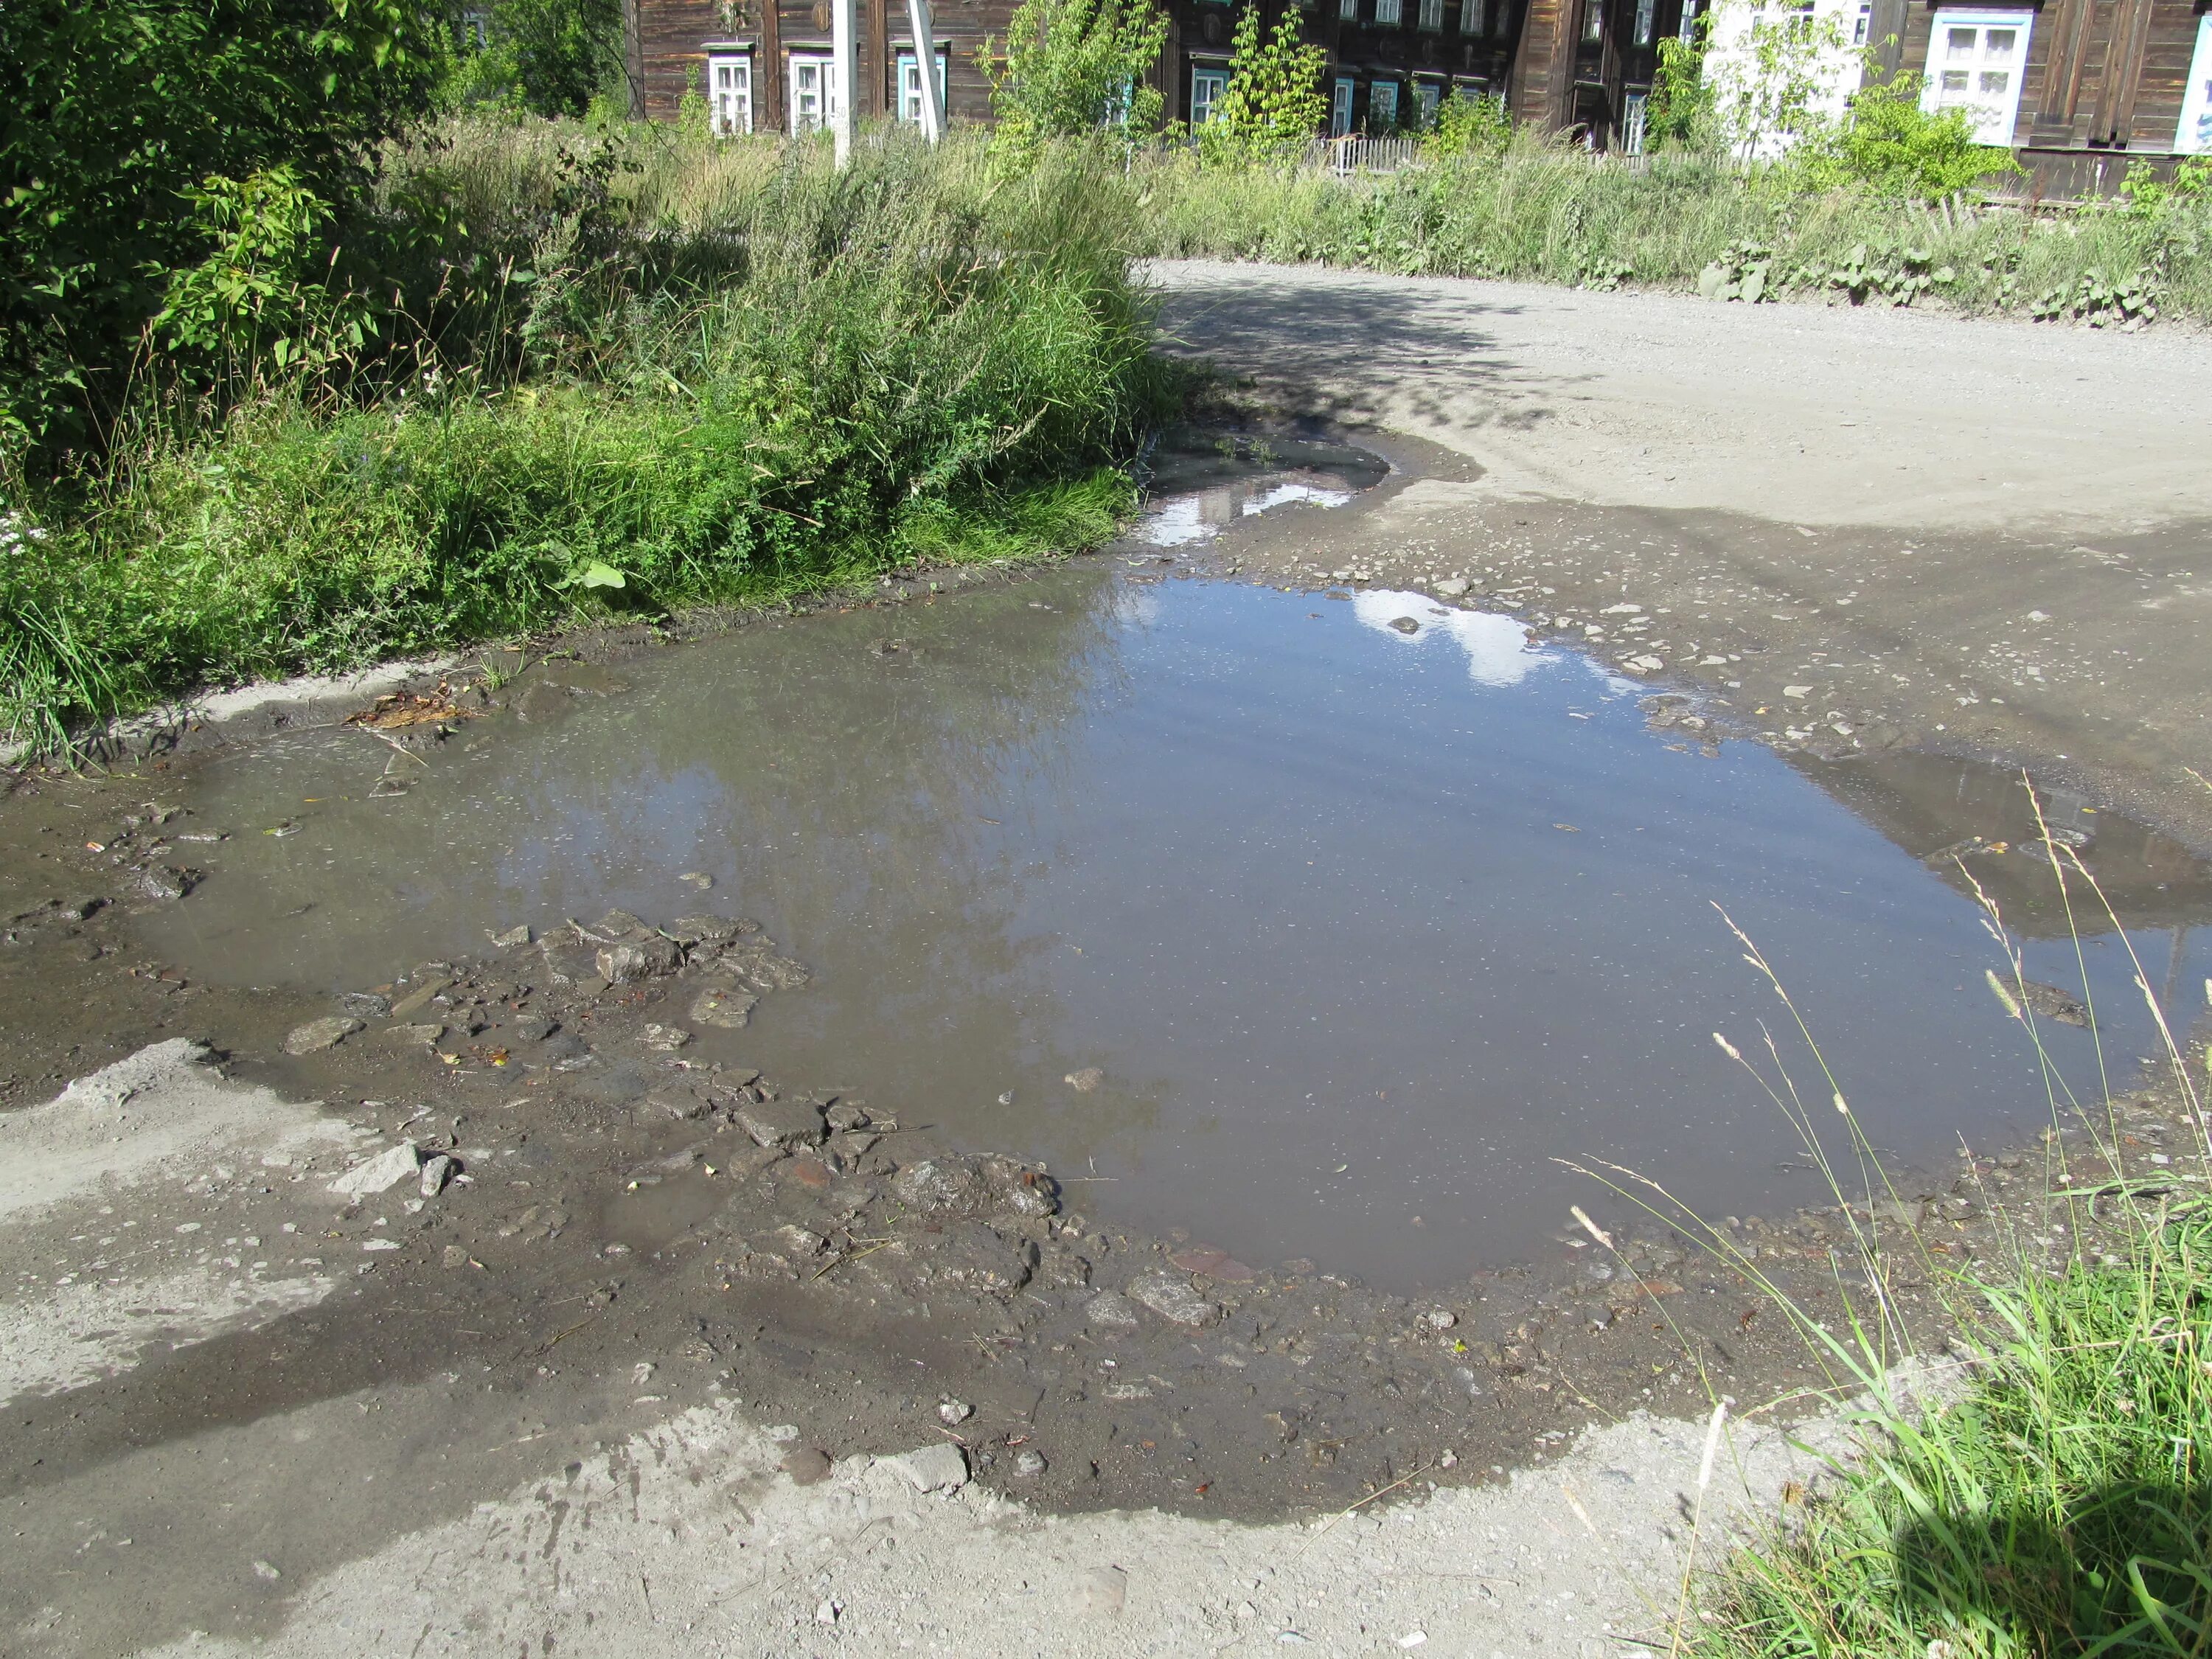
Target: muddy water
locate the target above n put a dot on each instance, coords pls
(1367, 910)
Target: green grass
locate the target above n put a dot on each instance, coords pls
(715, 374)
(1541, 212)
(2028, 1475)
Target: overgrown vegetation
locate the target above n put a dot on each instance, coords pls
(1074, 70)
(1534, 210)
(639, 368)
(1272, 103)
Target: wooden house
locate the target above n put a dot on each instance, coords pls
(2078, 87)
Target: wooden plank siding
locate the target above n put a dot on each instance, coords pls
(2105, 75)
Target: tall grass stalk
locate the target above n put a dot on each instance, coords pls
(2027, 1476)
(1542, 212)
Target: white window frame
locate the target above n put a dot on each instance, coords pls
(1474, 18)
(1862, 23)
(1206, 87)
(1389, 13)
(1994, 117)
(730, 92)
(2192, 134)
(1646, 17)
(909, 84)
(1432, 16)
(1348, 10)
(1635, 122)
(1593, 28)
(1341, 97)
(1428, 97)
(1382, 102)
(824, 67)
(1688, 32)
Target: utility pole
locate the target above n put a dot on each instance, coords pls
(633, 58)
(925, 63)
(844, 76)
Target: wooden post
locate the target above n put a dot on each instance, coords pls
(633, 58)
(925, 62)
(844, 76)
(771, 68)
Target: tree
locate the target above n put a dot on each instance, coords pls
(114, 112)
(1274, 105)
(550, 57)
(1075, 67)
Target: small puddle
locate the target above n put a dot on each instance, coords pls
(1366, 910)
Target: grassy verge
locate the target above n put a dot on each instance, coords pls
(645, 372)
(1538, 212)
(2027, 1473)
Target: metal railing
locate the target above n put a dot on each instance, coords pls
(1352, 155)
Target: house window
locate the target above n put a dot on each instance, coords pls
(1427, 94)
(1592, 22)
(1473, 17)
(1860, 25)
(1382, 107)
(730, 92)
(813, 90)
(2193, 137)
(475, 27)
(1645, 16)
(1975, 60)
(1688, 32)
(1432, 14)
(909, 85)
(1206, 87)
(1388, 14)
(1339, 106)
(1348, 10)
(1633, 119)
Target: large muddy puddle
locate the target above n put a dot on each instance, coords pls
(1362, 910)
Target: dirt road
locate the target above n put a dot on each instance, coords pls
(1987, 537)
(617, 1360)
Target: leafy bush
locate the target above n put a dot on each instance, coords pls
(733, 371)
(113, 112)
(1889, 144)
(1273, 106)
(1073, 67)
(1468, 124)
(547, 57)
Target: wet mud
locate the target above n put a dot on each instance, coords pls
(1122, 1018)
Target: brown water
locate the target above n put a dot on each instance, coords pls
(1363, 927)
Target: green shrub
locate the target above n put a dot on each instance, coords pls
(1073, 67)
(1887, 143)
(789, 378)
(1273, 106)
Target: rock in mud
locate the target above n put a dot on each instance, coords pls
(930, 1468)
(1172, 1297)
(787, 1123)
(535, 1028)
(1029, 1463)
(723, 1008)
(381, 1173)
(419, 998)
(424, 1034)
(806, 1466)
(436, 1172)
(318, 1035)
(663, 1039)
(1110, 1310)
(511, 938)
(1404, 625)
(653, 958)
(1452, 587)
(972, 1257)
(693, 931)
(1213, 1263)
(938, 1186)
(953, 1413)
(2052, 1003)
(365, 1004)
(1084, 1081)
